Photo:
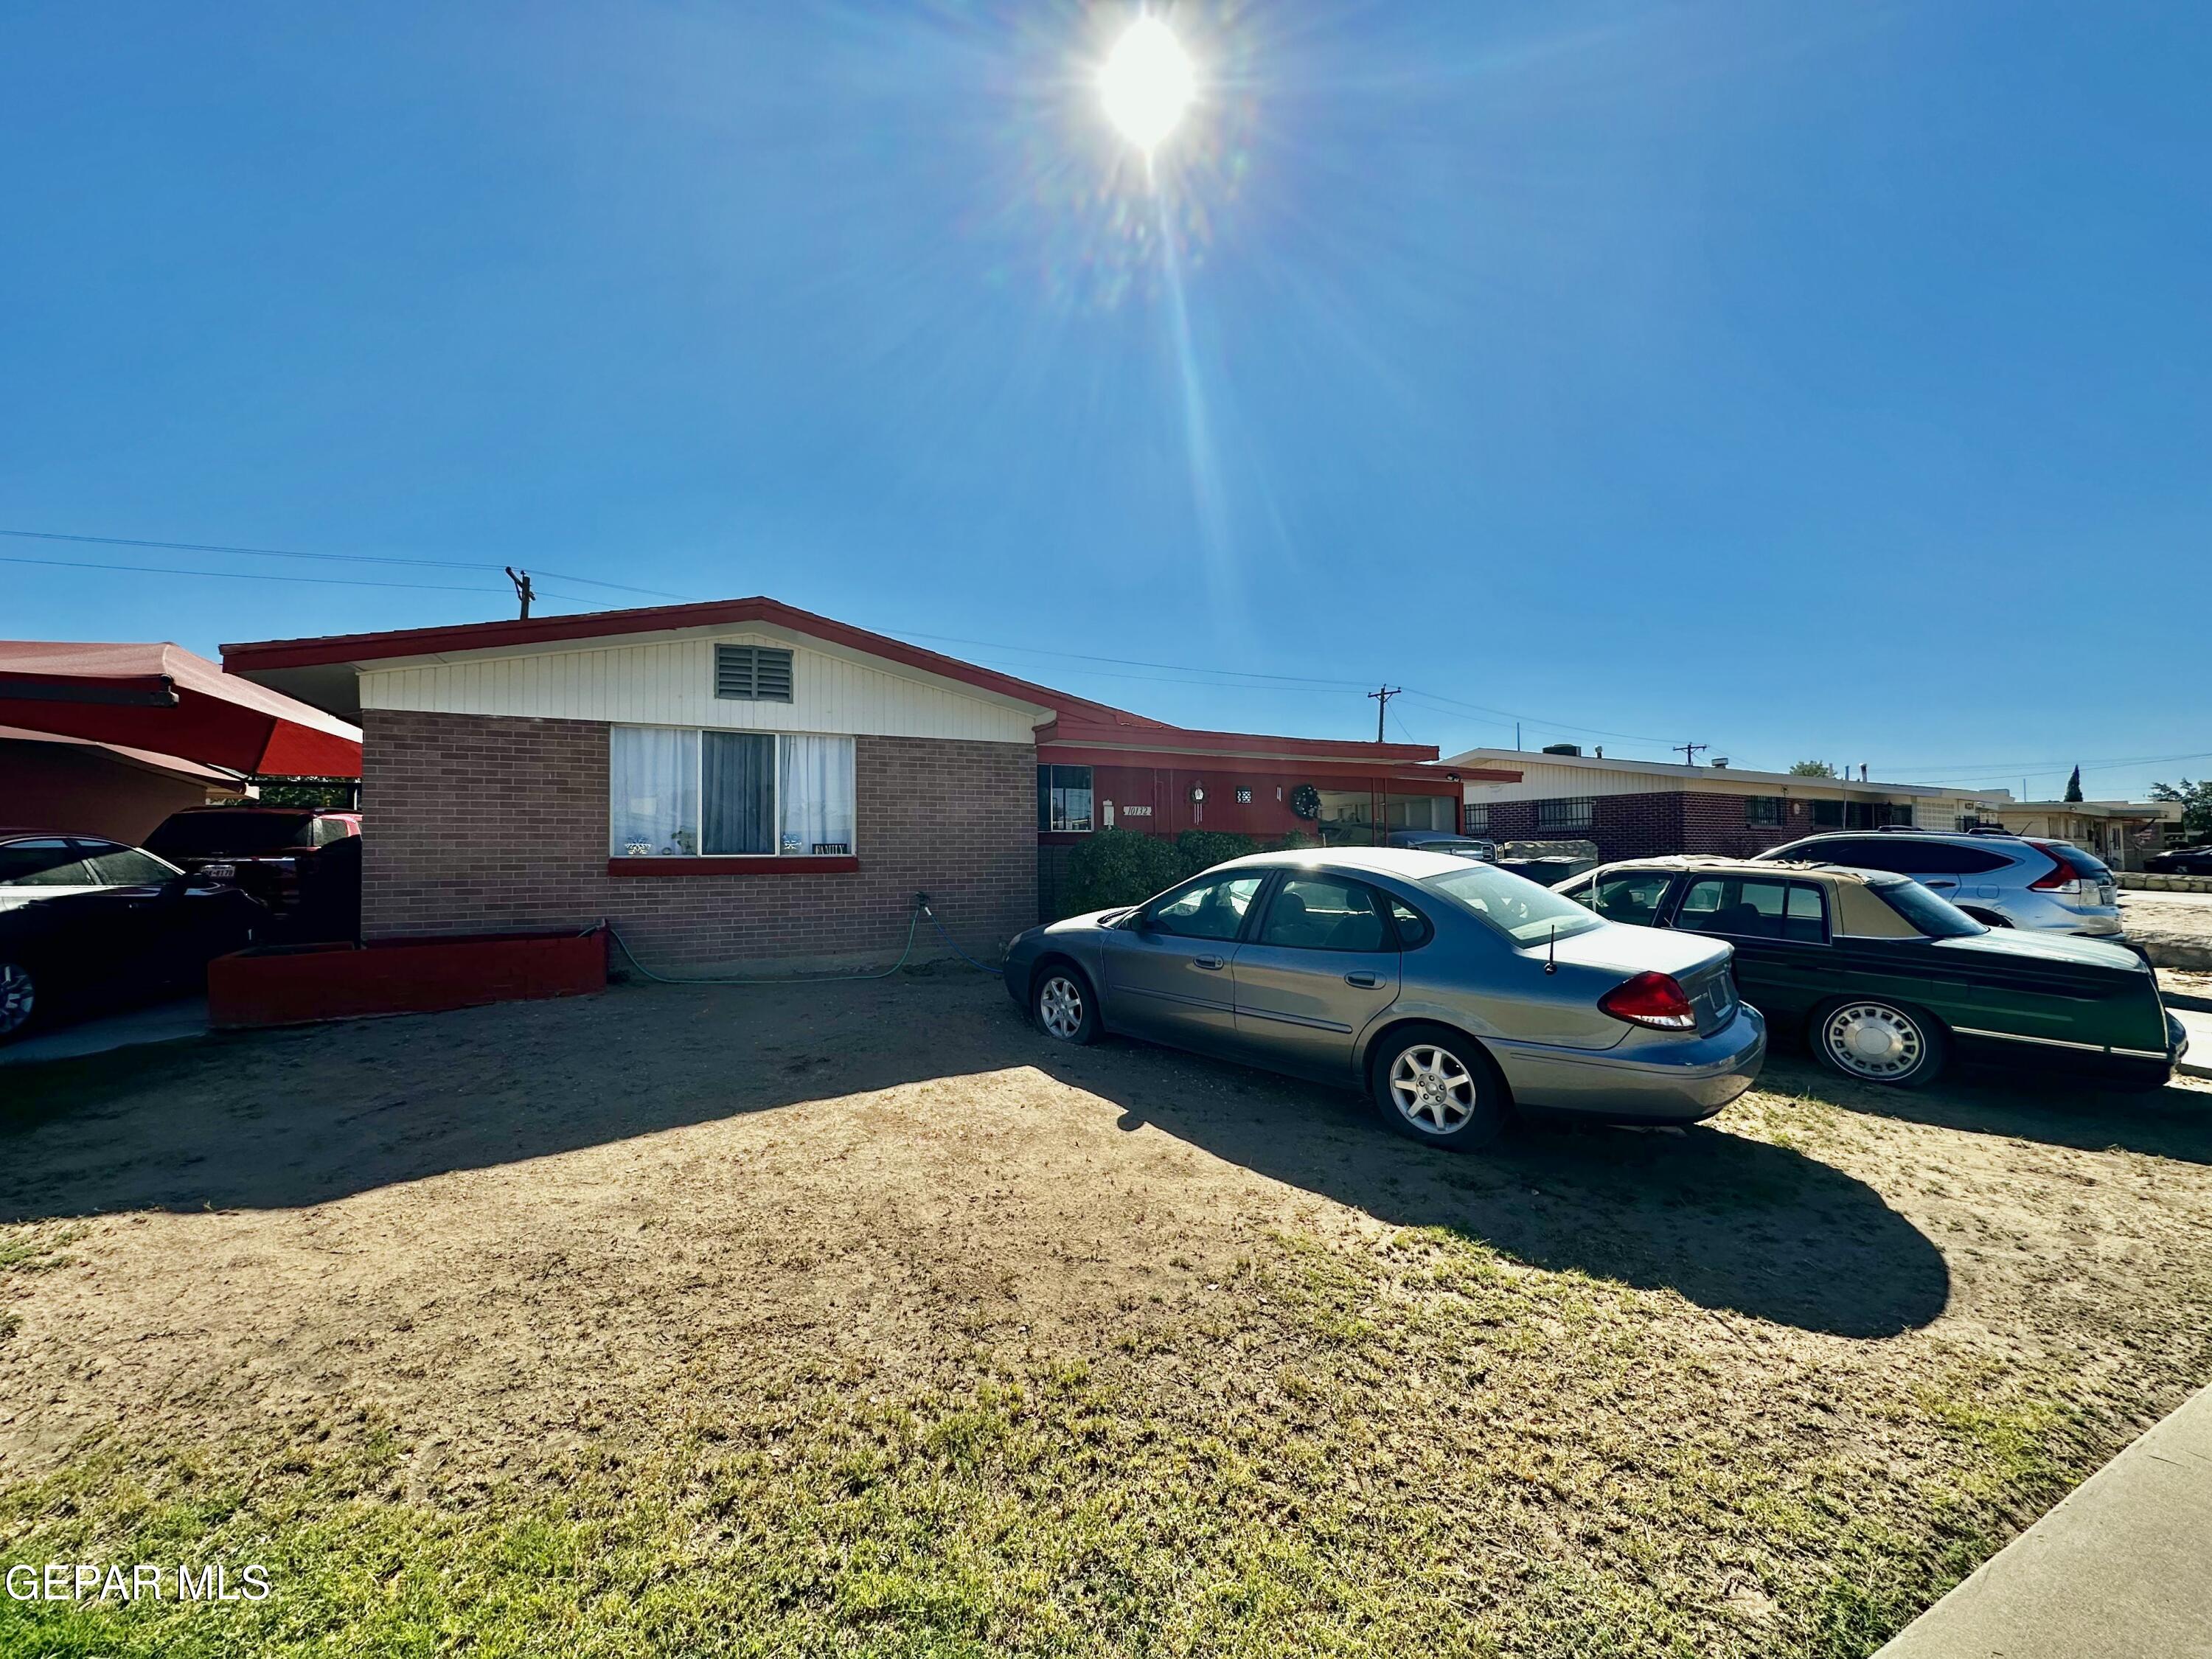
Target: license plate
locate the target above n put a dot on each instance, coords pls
(220, 872)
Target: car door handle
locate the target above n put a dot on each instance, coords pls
(1207, 961)
(1365, 981)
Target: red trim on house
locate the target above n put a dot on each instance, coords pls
(1178, 740)
(1341, 767)
(804, 865)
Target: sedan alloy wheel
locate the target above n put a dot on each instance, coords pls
(1438, 1087)
(1433, 1089)
(1064, 1007)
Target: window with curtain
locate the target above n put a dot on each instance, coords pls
(654, 783)
(814, 780)
(677, 793)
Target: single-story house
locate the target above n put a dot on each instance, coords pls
(2123, 833)
(742, 782)
(1634, 809)
(49, 782)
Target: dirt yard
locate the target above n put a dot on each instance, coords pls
(857, 1319)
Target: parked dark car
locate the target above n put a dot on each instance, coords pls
(88, 925)
(1886, 981)
(304, 863)
(1442, 841)
(1447, 990)
(2181, 861)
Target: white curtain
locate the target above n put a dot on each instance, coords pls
(815, 779)
(653, 776)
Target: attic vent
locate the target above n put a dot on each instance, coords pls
(758, 673)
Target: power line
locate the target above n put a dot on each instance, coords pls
(270, 577)
(339, 558)
(1127, 662)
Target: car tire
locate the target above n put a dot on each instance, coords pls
(1063, 1004)
(1440, 1087)
(19, 1000)
(1875, 1040)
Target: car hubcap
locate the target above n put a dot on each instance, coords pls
(16, 996)
(1874, 1042)
(1432, 1089)
(1060, 1007)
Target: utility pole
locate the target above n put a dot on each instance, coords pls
(522, 590)
(1691, 750)
(1383, 695)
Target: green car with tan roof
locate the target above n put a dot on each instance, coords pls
(1888, 982)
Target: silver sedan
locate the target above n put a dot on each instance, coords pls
(1449, 990)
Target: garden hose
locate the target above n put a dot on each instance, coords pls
(914, 920)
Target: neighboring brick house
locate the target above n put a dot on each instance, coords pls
(1105, 769)
(1635, 809)
(744, 784)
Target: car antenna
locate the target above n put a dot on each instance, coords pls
(1552, 951)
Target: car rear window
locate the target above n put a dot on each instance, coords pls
(1522, 911)
(193, 833)
(1937, 917)
(2080, 863)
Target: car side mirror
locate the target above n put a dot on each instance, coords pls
(1140, 921)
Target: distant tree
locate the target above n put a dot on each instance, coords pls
(2195, 800)
(1811, 769)
(2073, 785)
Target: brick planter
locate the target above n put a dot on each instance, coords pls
(299, 984)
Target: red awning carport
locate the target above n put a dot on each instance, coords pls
(162, 698)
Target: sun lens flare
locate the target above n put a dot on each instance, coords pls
(1147, 84)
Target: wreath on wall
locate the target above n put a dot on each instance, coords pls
(1305, 801)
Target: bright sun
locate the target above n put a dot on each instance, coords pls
(1147, 84)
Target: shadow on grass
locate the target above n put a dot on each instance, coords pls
(2052, 1107)
(281, 1120)
(1727, 1222)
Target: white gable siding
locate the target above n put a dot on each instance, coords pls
(672, 682)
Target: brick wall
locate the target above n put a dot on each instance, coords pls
(1674, 821)
(474, 824)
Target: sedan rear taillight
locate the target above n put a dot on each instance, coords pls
(2058, 879)
(1653, 999)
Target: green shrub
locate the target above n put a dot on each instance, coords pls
(1117, 867)
(1125, 866)
(1201, 849)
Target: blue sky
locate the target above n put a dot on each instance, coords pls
(1807, 381)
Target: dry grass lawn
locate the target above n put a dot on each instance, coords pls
(857, 1320)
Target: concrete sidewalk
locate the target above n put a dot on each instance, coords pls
(2121, 1569)
(162, 1022)
(2198, 1062)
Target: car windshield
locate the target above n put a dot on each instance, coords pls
(1938, 918)
(197, 833)
(1520, 910)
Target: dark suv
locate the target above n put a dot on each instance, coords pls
(304, 863)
